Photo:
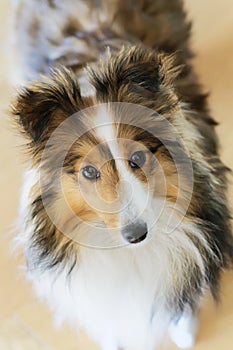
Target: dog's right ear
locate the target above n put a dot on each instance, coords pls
(42, 106)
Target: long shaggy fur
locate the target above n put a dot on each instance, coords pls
(128, 297)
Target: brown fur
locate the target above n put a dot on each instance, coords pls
(138, 67)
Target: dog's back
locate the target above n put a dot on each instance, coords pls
(76, 32)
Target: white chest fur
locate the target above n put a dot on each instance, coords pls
(118, 296)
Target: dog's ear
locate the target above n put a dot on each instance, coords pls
(134, 71)
(43, 105)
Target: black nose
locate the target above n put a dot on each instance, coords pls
(135, 233)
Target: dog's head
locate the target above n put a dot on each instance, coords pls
(116, 153)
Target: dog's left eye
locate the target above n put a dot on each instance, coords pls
(90, 173)
(137, 160)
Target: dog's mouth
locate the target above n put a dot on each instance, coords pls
(135, 233)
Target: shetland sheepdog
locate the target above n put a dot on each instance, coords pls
(125, 223)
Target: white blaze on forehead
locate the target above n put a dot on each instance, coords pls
(104, 125)
(134, 196)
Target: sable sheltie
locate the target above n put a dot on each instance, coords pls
(124, 218)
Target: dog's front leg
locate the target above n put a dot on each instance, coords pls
(184, 330)
(109, 344)
(109, 347)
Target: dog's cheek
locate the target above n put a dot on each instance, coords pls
(74, 198)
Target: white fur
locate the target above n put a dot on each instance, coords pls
(119, 296)
(184, 331)
(112, 293)
(103, 125)
(133, 202)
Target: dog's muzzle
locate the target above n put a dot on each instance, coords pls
(135, 233)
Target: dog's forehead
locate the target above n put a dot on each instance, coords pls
(104, 124)
(105, 129)
(108, 128)
(118, 120)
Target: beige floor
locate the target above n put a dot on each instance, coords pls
(24, 322)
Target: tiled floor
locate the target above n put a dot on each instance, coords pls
(24, 322)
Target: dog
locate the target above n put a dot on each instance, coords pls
(124, 216)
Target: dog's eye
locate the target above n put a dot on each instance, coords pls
(90, 173)
(137, 160)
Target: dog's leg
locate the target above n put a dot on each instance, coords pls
(109, 344)
(109, 347)
(183, 331)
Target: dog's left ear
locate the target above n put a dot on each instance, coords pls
(41, 106)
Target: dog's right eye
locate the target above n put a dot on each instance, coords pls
(90, 173)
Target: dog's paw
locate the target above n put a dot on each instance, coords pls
(183, 332)
(182, 338)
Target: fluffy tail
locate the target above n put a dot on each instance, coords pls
(76, 32)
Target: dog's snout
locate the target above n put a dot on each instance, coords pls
(135, 233)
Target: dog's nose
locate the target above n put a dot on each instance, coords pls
(135, 233)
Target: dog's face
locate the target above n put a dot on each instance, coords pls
(118, 170)
(113, 151)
